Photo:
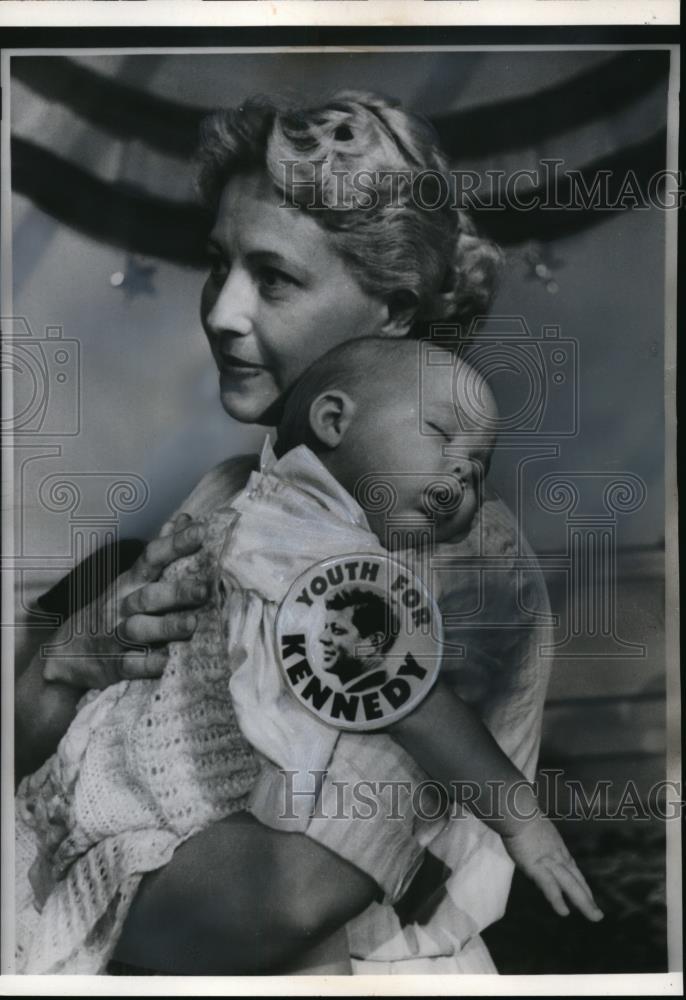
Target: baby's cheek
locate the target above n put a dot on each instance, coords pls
(474, 499)
(443, 499)
(462, 518)
(465, 514)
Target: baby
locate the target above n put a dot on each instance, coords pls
(147, 763)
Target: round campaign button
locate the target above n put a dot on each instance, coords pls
(360, 640)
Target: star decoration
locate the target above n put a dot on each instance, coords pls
(136, 279)
(542, 264)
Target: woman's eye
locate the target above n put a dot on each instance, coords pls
(217, 264)
(274, 280)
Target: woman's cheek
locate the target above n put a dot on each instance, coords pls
(289, 367)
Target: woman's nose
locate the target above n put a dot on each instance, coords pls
(233, 309)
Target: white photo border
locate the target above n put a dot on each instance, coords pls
(657, 984)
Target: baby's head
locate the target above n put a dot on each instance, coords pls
(378, 415)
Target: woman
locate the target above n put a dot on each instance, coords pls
(303, 257)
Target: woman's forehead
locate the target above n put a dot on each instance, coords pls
(253, 214)
(249, 200)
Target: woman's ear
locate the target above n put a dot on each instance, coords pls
(331, 414)
(401, 313)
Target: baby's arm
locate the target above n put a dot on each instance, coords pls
(448, 740)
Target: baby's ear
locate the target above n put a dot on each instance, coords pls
(331, 414)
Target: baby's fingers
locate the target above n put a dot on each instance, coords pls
(548, 884)
(577, 891)
(570, 864)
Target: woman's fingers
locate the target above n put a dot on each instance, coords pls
(135, 666)
(168, 548)
(175, 523)
(153, 598)
(157, 629)
(158, 612)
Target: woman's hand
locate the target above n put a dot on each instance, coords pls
(136, 610)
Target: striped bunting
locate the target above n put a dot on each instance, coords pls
(110, 158)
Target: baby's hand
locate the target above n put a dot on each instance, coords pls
(540, 852)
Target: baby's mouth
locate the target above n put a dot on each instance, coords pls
(444, 499)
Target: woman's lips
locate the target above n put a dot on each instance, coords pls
(229, 364)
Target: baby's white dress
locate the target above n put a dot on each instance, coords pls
(145, 764)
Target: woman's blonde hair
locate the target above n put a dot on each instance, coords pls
(375, 176)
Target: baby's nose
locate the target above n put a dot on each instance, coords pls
(462, 468)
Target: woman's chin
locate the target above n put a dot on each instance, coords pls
(248, 407)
